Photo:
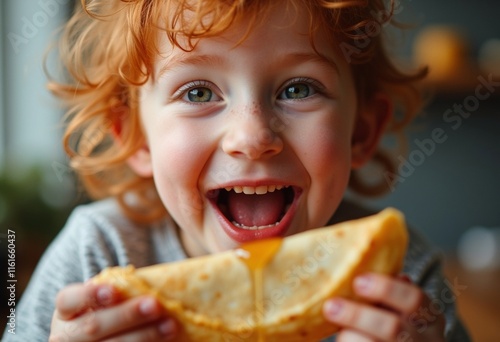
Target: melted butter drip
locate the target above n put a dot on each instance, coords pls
(256, 255)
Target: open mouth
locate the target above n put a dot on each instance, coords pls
(255, 212)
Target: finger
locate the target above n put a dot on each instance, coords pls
(396, 294)
(347, 335)
(405, 278)
(130, 314)
(78, 298)
(403, 296)
(373, 322)
(163, 330)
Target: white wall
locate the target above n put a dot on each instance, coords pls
(2, 103)
(30, 132)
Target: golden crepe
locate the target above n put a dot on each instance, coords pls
(220, 298)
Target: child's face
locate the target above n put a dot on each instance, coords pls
(266, 114)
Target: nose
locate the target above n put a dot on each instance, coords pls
(250, 135)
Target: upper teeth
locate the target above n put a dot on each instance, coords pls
(259, 190)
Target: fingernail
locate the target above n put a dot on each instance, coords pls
(167, 327)
(104, 295)
(363, 283)
(333, 308)
(405, 277)
(148, 307)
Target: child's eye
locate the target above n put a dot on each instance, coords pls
(297, 90)
(197, 92)
(200, 95)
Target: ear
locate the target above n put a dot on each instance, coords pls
(140, 160)
(370, 125)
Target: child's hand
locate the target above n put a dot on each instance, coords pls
(396, 311)
(88, 312)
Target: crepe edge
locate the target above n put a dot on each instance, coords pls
(383, 254)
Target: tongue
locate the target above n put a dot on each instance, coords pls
(256, 210)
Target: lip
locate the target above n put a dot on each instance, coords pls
(241, 235)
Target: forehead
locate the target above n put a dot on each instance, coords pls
(187, 21)
(292, 22)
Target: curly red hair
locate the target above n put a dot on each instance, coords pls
(108, 49)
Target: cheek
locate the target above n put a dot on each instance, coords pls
(329, 169)
(325, 153)
(331, 151)
(179, 155)
(325, 149)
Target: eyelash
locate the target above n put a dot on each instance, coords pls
(317, 86)
(192, 85)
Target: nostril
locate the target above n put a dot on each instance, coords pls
(252, 142)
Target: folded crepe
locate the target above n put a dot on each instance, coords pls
(220, 298)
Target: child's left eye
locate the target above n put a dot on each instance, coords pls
(297, 91)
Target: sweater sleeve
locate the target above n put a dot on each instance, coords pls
(423, 265)
(87, 244)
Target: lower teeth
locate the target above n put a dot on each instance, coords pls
(239, 225)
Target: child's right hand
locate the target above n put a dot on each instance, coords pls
(89, 312)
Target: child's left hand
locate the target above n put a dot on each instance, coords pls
(396, 310)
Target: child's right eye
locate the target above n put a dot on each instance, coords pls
(197, 92)
(199, 95)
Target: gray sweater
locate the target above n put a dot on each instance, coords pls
(98, 235)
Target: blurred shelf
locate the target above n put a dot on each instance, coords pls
(463, 83)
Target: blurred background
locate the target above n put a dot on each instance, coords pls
(447, 181)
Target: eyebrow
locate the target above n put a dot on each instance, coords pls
(187, 59)
(309, 57)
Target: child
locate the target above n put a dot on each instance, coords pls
(208, 123)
